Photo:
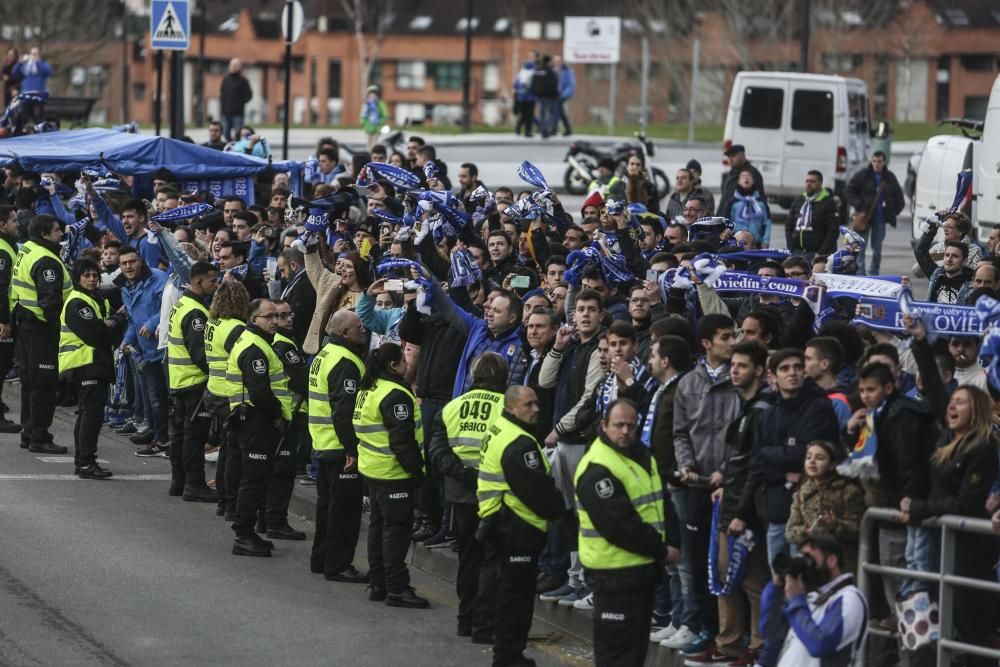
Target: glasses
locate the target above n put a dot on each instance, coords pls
(269, 316)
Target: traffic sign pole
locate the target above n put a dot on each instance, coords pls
(288, 24)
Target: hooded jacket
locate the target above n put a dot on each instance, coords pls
(703, 410)
(783, 432)
(821, 236)
(142, 299)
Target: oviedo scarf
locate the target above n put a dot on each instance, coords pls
(739, 552)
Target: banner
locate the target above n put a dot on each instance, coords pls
(241, 186)
(884, 287)
(887, 315)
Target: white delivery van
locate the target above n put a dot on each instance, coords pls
(986, 178)
(791, 123)
(943, 157)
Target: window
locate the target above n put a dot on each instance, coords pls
(333, 79)
(597, 72)
(139, 92)
(977, 62)
(812, 110)
(410, 75)
(463, 24)
(531, 30)
(762, 108)
(447, 76)
(975, 106)
(501, 25)
(491, 77)
(553, 30)
(375, 75)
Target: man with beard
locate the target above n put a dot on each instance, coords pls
(130, 229)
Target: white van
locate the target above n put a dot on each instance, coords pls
(791, 123)
(986, 178)
(943, 157)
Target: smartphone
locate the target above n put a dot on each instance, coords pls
(393, 286)
(272, 268)
(652, 275)
(520, 282)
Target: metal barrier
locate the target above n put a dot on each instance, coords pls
(946, 580)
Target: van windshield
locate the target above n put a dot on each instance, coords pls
(762, 108)
(812, 111)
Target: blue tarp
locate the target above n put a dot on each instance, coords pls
(130, 154)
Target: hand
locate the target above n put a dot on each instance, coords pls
(145, 332)
(154, 226)
(552, 439)
(375, 287)
(995, 522)
(229, 277)
(717, 495)
(715, 479)
(905, 503)
(124, 349)
(688, 475)
(904, 517)
(652, 290)
(385, 239)
(992, 500)
(5, 331)
(793, 587)
(793, 477)
(109, 324)
(673, 554)
(622, 369)
(914, 327)
(351, 462)
(737, 526)
(563, 336)
(259, 236)
(506, 281)
(340, 246)
(856, 420)
(266, 274)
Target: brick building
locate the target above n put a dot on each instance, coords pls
(931, 59)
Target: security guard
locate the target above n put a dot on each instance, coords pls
(390, 436)
(187, 376)
(41, 283)
(261, 405)
(456, 440)
(87, 338)
(334, 378)
(8, 253)
(272, 519)
(517, 497)
(622, 535)
(226, 321)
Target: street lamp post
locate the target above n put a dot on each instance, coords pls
(467, 76)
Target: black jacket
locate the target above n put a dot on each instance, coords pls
(533, 486)
(738, 498)
(861, 193)
(960, 485)
(47, 274)
(544, 82)
(90, 327)
(441, 348)
(6, 274)
(342, 384)
(402, 428)
(300, 294)
(234, 94)
(783, 431)
(256, 382)
(295, 364)
(825, 225)
(729, 183)
(254, 283)
(618, 522)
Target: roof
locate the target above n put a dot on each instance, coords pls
(129, 154)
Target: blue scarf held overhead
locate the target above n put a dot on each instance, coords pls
(400, 178)
(532, 175)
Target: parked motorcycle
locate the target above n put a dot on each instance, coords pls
(582, 158)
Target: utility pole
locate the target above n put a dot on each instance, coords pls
(176, 94)
(467, 74)
(125, 62)
(288, 78)
(158, 102)
(199, 79)
(806, 35)
(644, 89)
(693, 97)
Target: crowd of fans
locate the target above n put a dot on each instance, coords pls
(774, 421)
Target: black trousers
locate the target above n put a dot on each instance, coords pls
(258, 439)
(465, 520)
(389, 534)
(6, 359)
(219, 409)
(279, 490)
(621, 627)
(187, 443)
(516, 572)
(39, 380)
(89, 418)
(525, 118)
(338, 515)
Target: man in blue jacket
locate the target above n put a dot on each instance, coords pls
(130, 229)
(142, 292)
(567, 89)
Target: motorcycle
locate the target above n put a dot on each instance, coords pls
(582, 158)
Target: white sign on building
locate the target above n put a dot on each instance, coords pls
(592, 39)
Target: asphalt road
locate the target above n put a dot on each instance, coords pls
(118, 573)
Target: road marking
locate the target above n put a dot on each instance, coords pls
(61, 459)
(65, 478)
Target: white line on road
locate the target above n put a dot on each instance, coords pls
(61, 459)
(74, 478)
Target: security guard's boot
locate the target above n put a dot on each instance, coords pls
(257, 539)
(285, 532)
(245, 546)
(408, 598)
(46, 448)
(200, 493)
(376, 593)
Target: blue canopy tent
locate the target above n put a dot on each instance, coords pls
(142, 156)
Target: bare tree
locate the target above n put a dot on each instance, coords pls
(369, 19)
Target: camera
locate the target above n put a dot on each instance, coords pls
(270, 232)
(801, 566)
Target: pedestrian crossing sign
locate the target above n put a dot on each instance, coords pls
(170, 25)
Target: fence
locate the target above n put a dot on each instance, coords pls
(946, 580)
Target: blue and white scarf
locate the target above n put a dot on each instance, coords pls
(751, 208)
(739, 553)
(860, 463)
(805, 220)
